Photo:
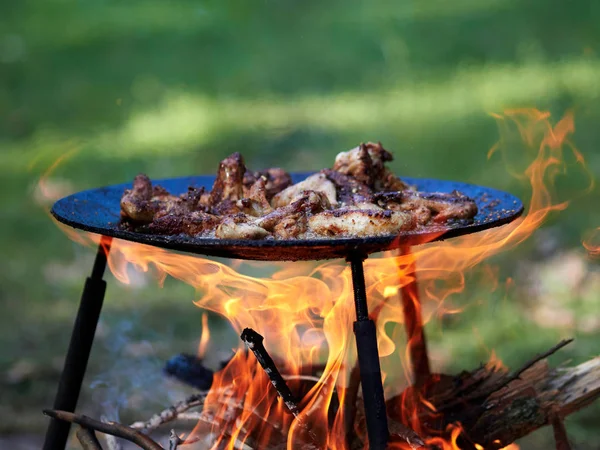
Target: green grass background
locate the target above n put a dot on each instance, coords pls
(170, 88)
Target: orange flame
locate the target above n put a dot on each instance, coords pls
(305, 311)
(204, 337)
(592, 243)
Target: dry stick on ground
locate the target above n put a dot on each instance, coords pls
(87, 439)
(171, 413)
(114, 428)
(254, 342)
(178, 411)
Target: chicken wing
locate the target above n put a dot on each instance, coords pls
(360, 223)
(317, 182)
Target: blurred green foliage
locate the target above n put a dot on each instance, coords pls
(170, 88)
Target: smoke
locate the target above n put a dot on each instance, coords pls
(131, 377)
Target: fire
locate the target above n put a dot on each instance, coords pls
(204, 337)
(305, 310)
(592, 243)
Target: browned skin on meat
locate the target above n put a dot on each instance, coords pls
(349, 190)
(360, 222)
(289, 221)
(366, 164)
(229, 183)
(436, 206)
(136, 203)
(229, 229)
(195, 223)
(315, 182)
(255, 202)
(358, 197)
(169, 205)
(192, 197)
(142, 187)
(276, 181)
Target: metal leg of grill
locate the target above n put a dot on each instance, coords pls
(80, 346)
(368, 361)
(413, 323)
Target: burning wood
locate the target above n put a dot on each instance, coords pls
(487, 408)
(495, 408)
(254, 342)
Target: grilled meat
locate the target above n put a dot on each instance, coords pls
(349, 190)
(255, 202)
(360, 222)
(229, 184)
(135, 203)
(358, 197)
(439, 207)
(290, 221)
(276, 180)
(192, 199)
(196, 223)
(317, 182)
(143, 203)
(229, 229)
(366, 164)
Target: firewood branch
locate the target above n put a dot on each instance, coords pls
(495, 407)
(113, 428)
(532, 362)
(254, 342)
(171, 413)
(87, 439)
(112, 442)
(502, 382)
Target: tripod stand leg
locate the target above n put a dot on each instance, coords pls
(80, 346)
(368, 361)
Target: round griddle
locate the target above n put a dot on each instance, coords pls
(98, 210)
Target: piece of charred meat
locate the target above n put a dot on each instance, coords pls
(360, 222)
(192, 199)
(349, 190)
(358, 197)
(366, 164)
(317, 182)
(229, 229)
(136, 202)
(228, 187)
(438, 207)
(255, 202)
(276, 180)
(290, 221)
(196, 223)
(143, 203)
